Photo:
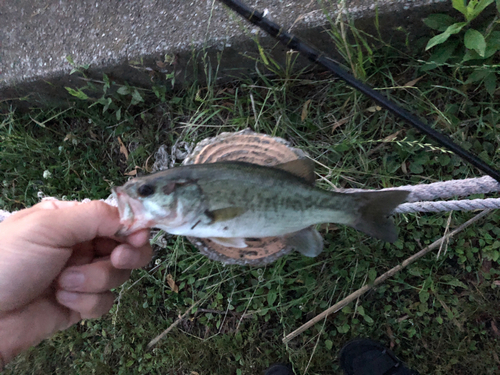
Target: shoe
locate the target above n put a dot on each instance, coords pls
(367, 357)
(279, 369)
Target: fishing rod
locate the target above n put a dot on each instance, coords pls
(292, 42)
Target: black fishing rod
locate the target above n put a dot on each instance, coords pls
(292, 42)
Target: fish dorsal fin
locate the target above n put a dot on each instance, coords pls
(303, 168)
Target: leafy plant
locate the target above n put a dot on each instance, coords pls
(119, 101)
(468, 44)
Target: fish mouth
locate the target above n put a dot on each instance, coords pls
(128, 209)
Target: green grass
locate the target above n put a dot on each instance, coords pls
(440, 315)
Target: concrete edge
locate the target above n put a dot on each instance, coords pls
(148, 69)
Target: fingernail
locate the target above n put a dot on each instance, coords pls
(67, 297)
(71, 280)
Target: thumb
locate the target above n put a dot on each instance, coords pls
(67, 226)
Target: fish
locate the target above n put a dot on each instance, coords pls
(230, 201)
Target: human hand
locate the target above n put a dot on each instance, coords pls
(58, 261)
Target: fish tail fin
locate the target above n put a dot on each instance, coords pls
(374, 213)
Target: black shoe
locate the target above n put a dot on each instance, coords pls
(367, 357)
(279, 369)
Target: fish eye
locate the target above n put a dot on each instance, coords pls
(145, 190)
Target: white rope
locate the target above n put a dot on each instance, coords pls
(442, 206)
(445, 189)
(4, 215)
(421, 196)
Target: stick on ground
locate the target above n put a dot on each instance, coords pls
(358, 293)
(172, 326)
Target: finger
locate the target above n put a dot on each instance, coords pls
(85, 252)
(95, 277)
(139, 238)
(16, 215)
(127, 257)
(48, 204)
(88, 305)
(72, 225)
(101, 247)
(82, 222)
(54, 204)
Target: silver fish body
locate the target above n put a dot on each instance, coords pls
(231, 201)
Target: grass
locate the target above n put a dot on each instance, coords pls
(440, 315)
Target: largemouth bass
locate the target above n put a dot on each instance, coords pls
(230, 201)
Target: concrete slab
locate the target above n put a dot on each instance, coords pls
(129, 39)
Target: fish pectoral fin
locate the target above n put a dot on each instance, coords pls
(307, 241)
(230, 241)
(223, 214)
(303, 168)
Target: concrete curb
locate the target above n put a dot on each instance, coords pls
(128, 40)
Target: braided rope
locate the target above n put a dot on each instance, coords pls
(443, 206)
(444, 189)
